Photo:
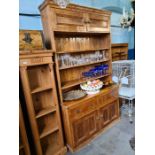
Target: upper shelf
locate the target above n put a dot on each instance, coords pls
(72, 83)
(40, 89)
(88, 33)
(62, 68)
(79, 51)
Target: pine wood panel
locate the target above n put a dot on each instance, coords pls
(84, 128)
(24, 148)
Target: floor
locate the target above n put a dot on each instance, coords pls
(114, 141)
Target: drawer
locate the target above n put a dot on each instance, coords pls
(124, 49)
(108, 97)
(98, 23)
(68, 20)
(115, 50)
(83, 108)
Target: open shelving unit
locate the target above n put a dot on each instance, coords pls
(71, 75)
(38, 82)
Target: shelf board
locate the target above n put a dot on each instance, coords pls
(84, 64)
(102, 91)
(87, 33)
(21, 146)
(47, 131)
(40, 89)
(77, 82)
(78, 51)
(45, 111)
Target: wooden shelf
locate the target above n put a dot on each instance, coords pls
(77, 82)
(81, 33)
(84, 64)
(40, 89)
(78, 51)
(102, 91)
(45, 111)
(47, 131)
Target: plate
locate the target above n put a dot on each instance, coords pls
(73, 95)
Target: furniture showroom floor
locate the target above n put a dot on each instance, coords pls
(114, 141)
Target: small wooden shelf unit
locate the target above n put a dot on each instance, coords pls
(73, 31)
(38, 82)
(119, 51)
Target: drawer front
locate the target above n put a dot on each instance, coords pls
(82, 109)
(66, 20)
(115, 50)
(35, 61)
(124, 49)
(98, 23)
(108, 97)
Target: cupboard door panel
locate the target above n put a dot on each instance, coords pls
(79, 131)
(84, 128)
(104, 116)
(92, 126)
(71, 21)
(113, 110)
(98, 23)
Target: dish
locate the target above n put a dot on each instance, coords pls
(74, 95)
(92, 87)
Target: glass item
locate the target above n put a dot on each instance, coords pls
(69, 60)
(62, 3)
(97, 71)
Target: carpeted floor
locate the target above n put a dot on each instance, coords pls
(114, 141)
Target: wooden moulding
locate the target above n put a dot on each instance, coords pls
(74, 7)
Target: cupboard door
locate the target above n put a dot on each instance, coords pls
(69, 21)
(84, 128)
(104, 116)
(113, 110)
(91, 123)
(98, 23)
(79, 131)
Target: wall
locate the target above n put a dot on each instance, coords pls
(119, 35)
